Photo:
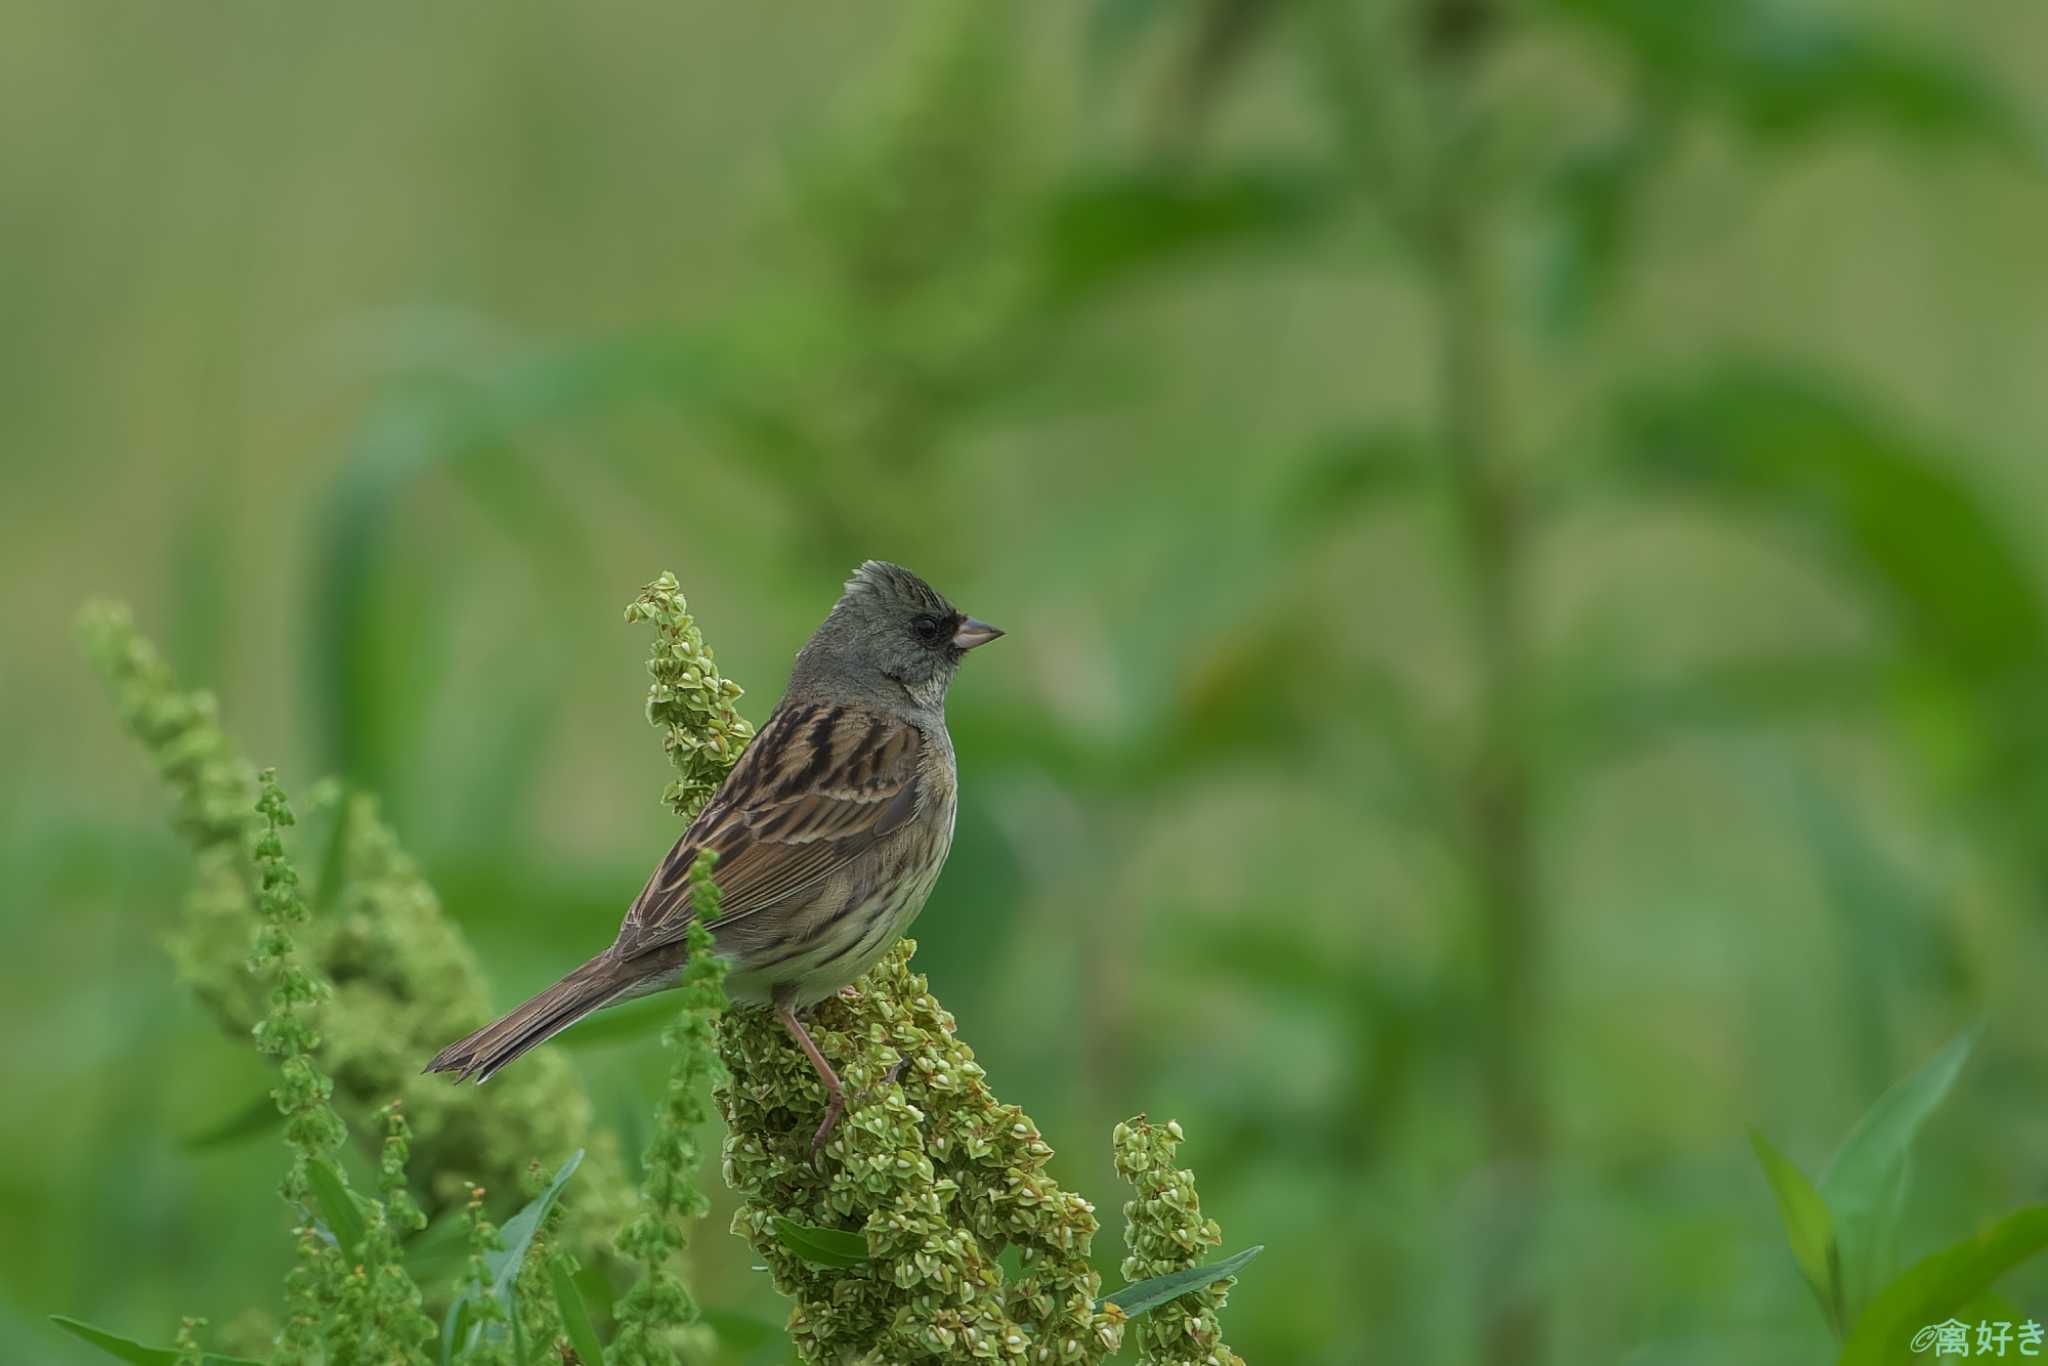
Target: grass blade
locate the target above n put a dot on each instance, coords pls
(129, 1350)
(1865, 1185)
(1141, 1297)
(582, 1333)
(338, 1208)
(1809, 1228)
(504, 1264)
(1935, 1287)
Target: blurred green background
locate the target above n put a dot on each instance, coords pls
(1517, 523)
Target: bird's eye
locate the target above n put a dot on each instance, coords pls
(927, 628)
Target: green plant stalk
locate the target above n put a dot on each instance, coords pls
(689, 701)
(659, 1306)
(482, 1307)
(405, 981)
(316, 1290)
(396, 1306)
(357, 1310)
(1164, 1232)
(1460, 254)
(935, 1173)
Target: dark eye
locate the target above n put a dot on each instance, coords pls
(927, 628)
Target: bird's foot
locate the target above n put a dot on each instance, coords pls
(840, 1104)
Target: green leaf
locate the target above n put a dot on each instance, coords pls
(1109, 230)
(127, 1349)
(503, 1265)
(1141, 1297)
(1782, 72)
(1862, 490)
(596, 1288)
(576, 1322)
(451, 1326)
(1897, 521)
(1935, 1288)
(822, 1246)
(1865, 1184)
(338, 1208)
(1808, 1228)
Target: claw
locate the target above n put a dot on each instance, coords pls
(833, 1088)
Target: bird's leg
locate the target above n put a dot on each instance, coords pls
(787, 1014)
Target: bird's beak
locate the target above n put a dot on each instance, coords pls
(973, 633)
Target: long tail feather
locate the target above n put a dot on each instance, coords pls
(591, 987)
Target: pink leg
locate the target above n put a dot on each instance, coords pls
(787, 1015)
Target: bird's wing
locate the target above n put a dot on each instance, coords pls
(817, 787)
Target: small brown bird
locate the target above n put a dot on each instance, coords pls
(830, 832)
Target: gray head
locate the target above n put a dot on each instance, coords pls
(891, 638)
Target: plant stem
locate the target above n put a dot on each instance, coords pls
(1499, 782)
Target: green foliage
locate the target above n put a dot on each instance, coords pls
(930, 1191)
(1117, 229)
(1257, 759)
(1940, 1286)
(890, 1246)
(477, 1326)
(927, 1166)
(125, 1349)
(1165, 1235)
(1142, 1297)
(407, 981)
(1843, 1233)
(689, 700)
(1785, 71)
(576, 1323)
(318, 1304)
(1809, 1228)
(821, 1246)
(1865, 1184)
(503, 1304)
(691, 704)
(659, 1305)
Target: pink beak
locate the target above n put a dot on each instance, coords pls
(973, 633)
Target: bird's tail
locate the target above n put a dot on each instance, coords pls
(593, 986)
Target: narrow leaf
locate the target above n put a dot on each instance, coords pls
(338, 1208)
(1865, 1185)
(520, 1228)
(127, 1349)
(451, 1326)
(1141, 1297)
(1808, 1228)
(1934, 1288)
(503, 1264)
(823, 1246)
(575, 1314)
(1107, 231)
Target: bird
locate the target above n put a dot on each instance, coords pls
(830, 832)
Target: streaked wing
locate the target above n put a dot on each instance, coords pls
(818, 786)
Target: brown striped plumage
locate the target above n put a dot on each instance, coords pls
(830, 831)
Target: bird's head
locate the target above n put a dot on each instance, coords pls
(890, 627)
